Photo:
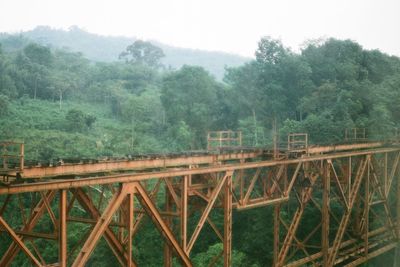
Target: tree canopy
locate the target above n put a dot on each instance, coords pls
(143, 53)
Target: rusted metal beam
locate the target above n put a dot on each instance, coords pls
(260, 202)
(304, 261)
(126, 165)
(228, 222)
(130, 223)
(38, 211)
(372, 255)
(161, 225)
(336, 148)
(393, 173)
(345, 219)
(101, 226)
(31, 234)
(171, 189)
(62, 228)
(325, 213)
(19, 242)
(206, 212)
(206, 186)
(49, 210)
(339, 185)
(251, 186)
(169, 223)
(112, 240)
(184, 211)
(305, 197)
(367, 196)
(277, 211)
(134, 177)
(4, 205)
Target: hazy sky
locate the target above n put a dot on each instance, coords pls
(225, 25)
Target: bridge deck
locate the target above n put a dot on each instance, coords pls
(160, 161)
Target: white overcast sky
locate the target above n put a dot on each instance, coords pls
(233, 26)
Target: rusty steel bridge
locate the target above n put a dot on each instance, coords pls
(352, 187)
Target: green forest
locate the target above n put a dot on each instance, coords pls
(65, 106)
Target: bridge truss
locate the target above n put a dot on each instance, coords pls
(352, 188)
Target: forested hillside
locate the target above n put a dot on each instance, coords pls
(62, 105)
(107, 48)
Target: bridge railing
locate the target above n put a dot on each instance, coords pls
(355, 134)
(11, 156)
(297, 142)
(223, 139)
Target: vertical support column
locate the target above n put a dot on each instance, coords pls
(208, 141)
(63, 228)
(285, 178)
(130, 228)
(325, 214)
(184, 212)
(396, 261)
(275, 139)
(168, 222)
(241, 181)
(5, 164)
(101, 226)
(228, 222)
(306, 144)
(398, 207)
(21, 156)
(349, 178)
(276, 233)
(366, 211)
(121, 222)
(385, 174)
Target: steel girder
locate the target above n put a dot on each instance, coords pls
(354, 194)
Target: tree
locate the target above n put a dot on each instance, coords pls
(189, 95)
(335, 61)
(38, 54)
(270, 51)
(77, 120)
(32, 72)
(7, 85)
(90, 120)
(62, 82)
(4, 103)
(143, 113)
(262, 88)
(248, 97)
(143, 53)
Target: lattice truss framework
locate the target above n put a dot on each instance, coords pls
(355, 195)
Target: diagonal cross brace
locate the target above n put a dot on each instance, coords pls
(345, 219)
(152, 211)
(40, 208)
(109, 235)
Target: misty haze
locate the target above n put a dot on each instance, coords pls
(199, 133)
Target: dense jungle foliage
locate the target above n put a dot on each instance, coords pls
(64, 106)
